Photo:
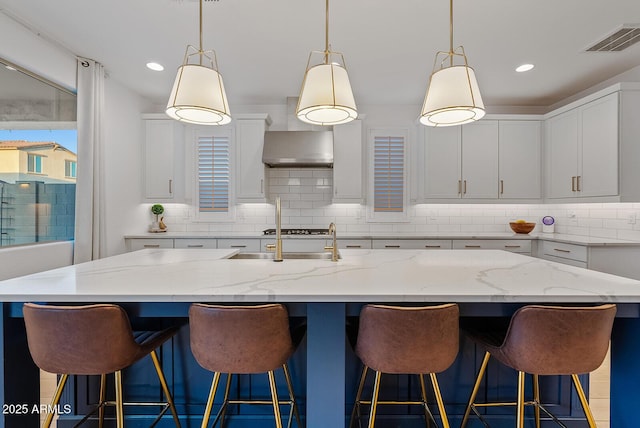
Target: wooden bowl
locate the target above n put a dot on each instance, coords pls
(522, 227)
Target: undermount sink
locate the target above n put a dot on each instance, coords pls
(286, 256)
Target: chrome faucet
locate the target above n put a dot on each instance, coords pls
(277, 247)
(334, 247)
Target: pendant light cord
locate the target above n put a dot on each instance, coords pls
(451, 32)
(201, 51)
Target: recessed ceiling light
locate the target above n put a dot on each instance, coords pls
(524, 67)
(154, 66)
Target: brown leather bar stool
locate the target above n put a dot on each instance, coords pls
(545, 340)
(92, 340)
(243, 340)
(406, 340)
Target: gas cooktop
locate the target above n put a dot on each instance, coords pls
(297, 232)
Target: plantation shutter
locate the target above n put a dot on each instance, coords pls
(388, 174)
(213, 173)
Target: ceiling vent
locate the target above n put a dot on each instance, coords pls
(619, 40)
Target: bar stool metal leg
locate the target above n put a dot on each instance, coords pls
(436, 390)
(212, 394)
(374, 399)
(520, 406)
(476, 388)
(274, 399)
(583, 401)
(356, 405)
(292, 397)
(103, 398)
(225, 401)
(165, 387)
(55, 400)
(119, 401)
(536, 399)
(423, 393)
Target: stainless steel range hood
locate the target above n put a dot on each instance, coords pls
(298, 149)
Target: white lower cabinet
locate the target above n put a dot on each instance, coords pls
(412, 244)
(195, 243)
(569, 254)
(522, 246)
(244, 245)
(143, 243)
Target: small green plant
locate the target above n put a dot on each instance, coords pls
(157, 209)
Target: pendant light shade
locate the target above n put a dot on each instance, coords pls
(198, 94)
(453, 96)
(326, 97)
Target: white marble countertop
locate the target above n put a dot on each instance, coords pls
(556, 237)
(177, 275)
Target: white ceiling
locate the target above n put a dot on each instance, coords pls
(389, 46)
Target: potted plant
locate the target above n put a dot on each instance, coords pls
(157, 210)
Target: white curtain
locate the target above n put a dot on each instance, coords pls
(89, 228)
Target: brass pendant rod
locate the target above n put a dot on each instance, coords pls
(326, 34)
(451, 32)
(201, 51)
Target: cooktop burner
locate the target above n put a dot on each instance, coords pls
(297, 232)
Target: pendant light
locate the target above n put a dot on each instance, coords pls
(198, 94)
(453, 96)
(326, 97)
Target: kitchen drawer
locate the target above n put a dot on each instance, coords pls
(244, 245)
(195, 243)
(142, 243)
(412, 244)
(513, 245)
(296, 245)
(575, 255)
(352, 244)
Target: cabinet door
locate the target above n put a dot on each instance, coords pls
(442, 163)
(480, 160)
(562, 152)
(162, 159)
(250, 171)
(599, 125)
(347, 162)
(519, 151)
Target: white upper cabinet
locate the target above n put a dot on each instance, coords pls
(347, 163)
(251, 177)
(163, 160)
(520, 152)
(489, 159)
(583, 150)
(480, 160)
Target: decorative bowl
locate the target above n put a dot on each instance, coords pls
(522, 227)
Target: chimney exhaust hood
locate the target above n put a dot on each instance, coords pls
(297, 149)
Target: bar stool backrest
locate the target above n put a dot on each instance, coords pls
(554, 340)
(409, 340)
(240, 339)
(82, 340)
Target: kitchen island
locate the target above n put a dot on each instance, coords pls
(162, 283)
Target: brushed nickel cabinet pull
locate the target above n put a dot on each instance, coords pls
(561, 250)
(170, 186)
(262, 185)
(501, 187)
(512, 246)
(573, 183)
(465, 187)
(238, 246)
(578, 183)
(354, 246)
(459, 187)
(195, 246)
(392, 246)
(473, 246)
(151, 245)
(432, 246)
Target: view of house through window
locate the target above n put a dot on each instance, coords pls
(38, 161)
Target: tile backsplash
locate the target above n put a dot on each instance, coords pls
(306, 196)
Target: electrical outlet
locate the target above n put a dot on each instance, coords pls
(571, 214)
(631, 219)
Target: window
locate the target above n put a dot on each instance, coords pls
(70, 169)
(389, 173)
(34, 164)
(214, 174)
